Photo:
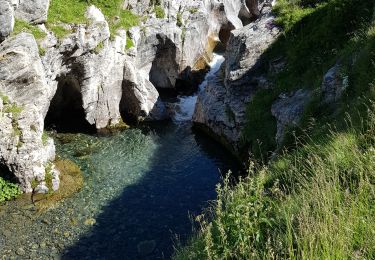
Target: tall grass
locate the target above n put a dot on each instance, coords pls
(314, 203)
(316, 199)
(316, 35)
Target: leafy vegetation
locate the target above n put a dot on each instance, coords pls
(8, 190)
(315, 200)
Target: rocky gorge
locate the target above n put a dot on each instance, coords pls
(89, 79)
(169, 70)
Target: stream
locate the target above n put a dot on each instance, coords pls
(141, 187)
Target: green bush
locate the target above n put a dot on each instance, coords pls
(8, 190)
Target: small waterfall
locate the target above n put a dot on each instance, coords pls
(184, 108)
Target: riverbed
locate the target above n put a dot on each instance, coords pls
(141, 188)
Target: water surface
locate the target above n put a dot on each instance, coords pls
(141, 186)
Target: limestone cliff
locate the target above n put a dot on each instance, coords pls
(92, 76)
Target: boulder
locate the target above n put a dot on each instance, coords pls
(33, 11)
(6, 19)
(245, 49)
(334, 85)
(25, 150)
(288, 111)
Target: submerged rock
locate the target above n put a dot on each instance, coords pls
(146, 247)
(25, 95)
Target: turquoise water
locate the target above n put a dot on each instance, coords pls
(141, 187)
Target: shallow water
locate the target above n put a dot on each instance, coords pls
(141, 186)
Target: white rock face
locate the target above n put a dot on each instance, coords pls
(96, 66)
(25, 101)
(101, 82)
(6, 19)
(221, 107)
(140, 97)
(94, 15)
(169, 49)
(33, 11)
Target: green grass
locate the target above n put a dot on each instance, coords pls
(13, 109)
(73, 12)
(22, 26)
(45, 138)
(59, 31)
(129, 43)
(313, 203)
(315, 38)
(315, 200)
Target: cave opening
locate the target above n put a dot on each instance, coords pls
(224, 34)
(7, 174)
(164, 69)
(66, 113)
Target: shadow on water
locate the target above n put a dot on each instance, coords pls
(144, 220)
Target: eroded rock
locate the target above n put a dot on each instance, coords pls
(221, 107)
(334, 85)
(25, 150)
(140, 98)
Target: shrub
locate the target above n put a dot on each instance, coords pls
(8, 190)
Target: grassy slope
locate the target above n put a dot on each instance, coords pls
(314, 39)
(316, 201)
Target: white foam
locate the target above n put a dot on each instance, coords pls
(185, 106)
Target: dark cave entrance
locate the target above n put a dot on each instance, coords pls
(6, 174)
(66, 113)
(224, 33)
